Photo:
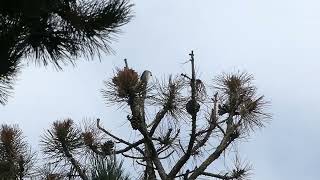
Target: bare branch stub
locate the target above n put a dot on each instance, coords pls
(126, 63)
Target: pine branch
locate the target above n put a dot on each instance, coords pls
(224, 143)
(130, 145)
(181, 162)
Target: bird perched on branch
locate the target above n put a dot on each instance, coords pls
(145, 77)
(138, 115)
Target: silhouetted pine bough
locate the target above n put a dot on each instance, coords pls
(189, 131)
(16, 158)
(107, 169)
(55, 31)
(79, 153)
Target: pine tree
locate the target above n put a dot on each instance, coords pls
(190, 130)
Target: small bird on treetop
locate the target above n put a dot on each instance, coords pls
(145, 77)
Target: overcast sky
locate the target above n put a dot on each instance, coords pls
(277, 41)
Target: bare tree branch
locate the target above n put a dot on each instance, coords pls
(160, 115)
(119, 139)
(193, 111)
(216, 154)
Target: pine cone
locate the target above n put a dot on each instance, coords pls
(192, 110)
(107, 147)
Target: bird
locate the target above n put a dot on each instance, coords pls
(145, 77)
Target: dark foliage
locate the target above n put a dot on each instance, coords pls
(62, 139)
(71, 152)
(16, 159)
(55, 31)
(108, 169)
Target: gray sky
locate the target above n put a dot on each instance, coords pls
(277, 41)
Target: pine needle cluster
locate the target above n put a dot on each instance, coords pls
(55, 32)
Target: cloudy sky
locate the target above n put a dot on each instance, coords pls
(277, 41)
